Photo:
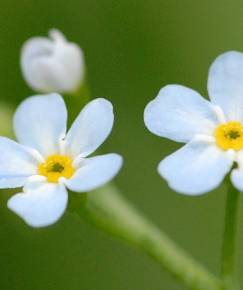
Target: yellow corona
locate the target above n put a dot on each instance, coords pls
(229, 136)
(56, 166)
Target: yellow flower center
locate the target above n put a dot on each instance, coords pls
(56, 166)
(229, 136)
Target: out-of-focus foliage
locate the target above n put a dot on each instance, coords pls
(132, 49)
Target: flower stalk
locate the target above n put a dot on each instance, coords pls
(229, 237)
(107, 209)
(78, 99)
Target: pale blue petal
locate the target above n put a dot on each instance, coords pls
(225, 84)
(94, 172)
(179, 113)
(196, 168)
(91, 128)
(41, 206)
(40, 123)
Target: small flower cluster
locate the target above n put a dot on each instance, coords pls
(48, 161)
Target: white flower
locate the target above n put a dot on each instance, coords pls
(47, 160)
(212, 130)
(52, 64)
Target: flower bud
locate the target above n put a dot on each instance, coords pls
(52, 64)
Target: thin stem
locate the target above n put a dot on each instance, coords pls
(229, 238)
(78, 99)
(107, 209)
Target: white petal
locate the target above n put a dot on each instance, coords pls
(179, 113)
(40, 122)
(196, 168)
(17, 163)
(52, 65)
(225, 84)
(94, 172)
(91, 128)
(237, 173)
(33, 51)
(70, 59)
(41, 206)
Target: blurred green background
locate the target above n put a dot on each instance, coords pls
(132, 49)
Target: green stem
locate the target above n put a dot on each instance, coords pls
(229, 238)
(77, 100)
(107, 209)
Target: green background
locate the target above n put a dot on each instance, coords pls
(132, 49)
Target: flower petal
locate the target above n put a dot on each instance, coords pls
(41, 206)
(196, 168)
(225, 84)
(94, 172)
(91, 128)
(237, 173)
(17, 163)
(179, 113)
(33, 52)
(69, 61)
(40, 122)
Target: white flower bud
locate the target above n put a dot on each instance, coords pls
(52, 64)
